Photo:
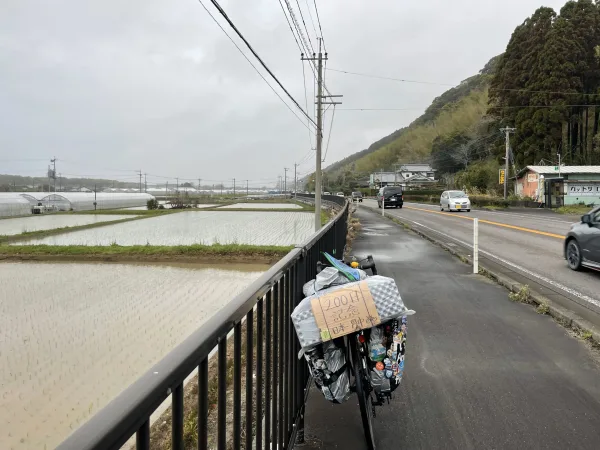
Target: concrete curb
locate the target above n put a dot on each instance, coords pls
(563, 316)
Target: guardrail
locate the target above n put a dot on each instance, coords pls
(275, 382)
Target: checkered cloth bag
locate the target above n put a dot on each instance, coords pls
(386, 297)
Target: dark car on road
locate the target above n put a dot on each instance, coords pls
(357, 196)
(390, 197)
(582, 244)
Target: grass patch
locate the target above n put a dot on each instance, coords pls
(522, 295)
(144, 250)
(129, 212)
(586, 335)
(574, 209)
(325, 217)
(542, 308)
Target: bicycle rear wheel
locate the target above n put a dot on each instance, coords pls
(365, 402)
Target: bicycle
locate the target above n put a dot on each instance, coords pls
(357, 352)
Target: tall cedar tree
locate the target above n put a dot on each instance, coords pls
(557, 56)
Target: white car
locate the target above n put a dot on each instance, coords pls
(340, 194)
(326, 193)
(455, 201)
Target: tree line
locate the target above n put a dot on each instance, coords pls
(547, 85)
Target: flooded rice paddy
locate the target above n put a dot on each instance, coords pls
(262, 206)
(73, 336)
(196, 227)
(48, 222)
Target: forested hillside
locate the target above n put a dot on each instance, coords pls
(546, 85)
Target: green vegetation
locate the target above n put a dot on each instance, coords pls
(152, 204)
(125, 212)
(522, 295)
(586, 335)
(574, 209)
(542, 308)
(551, 63)
(145, 250)
(493, 207)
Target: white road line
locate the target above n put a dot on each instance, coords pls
(517, 267)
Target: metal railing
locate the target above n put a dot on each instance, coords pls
(275, 382)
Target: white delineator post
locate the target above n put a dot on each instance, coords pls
(475, 245)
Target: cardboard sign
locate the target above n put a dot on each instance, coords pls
(346, 310)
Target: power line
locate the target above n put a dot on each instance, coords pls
(389, 78)
(457, 84)
(306, 102)
(320, 29)
(311, 19)
(490, 107)
(380, 109)
(232, 25)
(329, 136)
(305, 45)
(290, 25)
(305, 27)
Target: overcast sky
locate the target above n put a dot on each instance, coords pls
(113, 86)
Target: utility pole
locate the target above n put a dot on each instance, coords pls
(60, 182)
(318, 175)
(247, 188)
(140, 172)
(167, 189)
(199, 181)
(507, 132)
(53, 161)
(295, 181)
(285, 169)
(145, 183)
(177, 188)
(95, 202)
(234, 187)
(558, 154)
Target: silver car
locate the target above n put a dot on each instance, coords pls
(582, 244)
(455, 201)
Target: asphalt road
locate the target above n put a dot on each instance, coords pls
(482, 372)
(528, 242)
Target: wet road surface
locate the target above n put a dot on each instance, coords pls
(527, 242)
(482, 372)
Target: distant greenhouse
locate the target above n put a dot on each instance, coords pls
(21, 203)
(84, 201)
(12, 204)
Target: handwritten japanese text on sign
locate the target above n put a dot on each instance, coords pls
(346, 310)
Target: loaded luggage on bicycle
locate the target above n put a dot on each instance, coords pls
(351, 326)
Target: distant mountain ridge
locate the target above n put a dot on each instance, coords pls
(391, 147)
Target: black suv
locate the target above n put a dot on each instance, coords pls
(392, 196)
(357, 196)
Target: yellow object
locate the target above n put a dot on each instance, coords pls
(354, 265)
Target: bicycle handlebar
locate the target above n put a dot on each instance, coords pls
(365, 264)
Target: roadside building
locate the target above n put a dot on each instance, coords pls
(557, 186)
(408, 176)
